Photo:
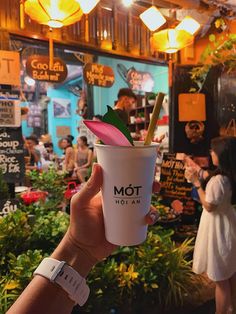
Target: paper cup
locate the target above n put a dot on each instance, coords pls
(128, 174)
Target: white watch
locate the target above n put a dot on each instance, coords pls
(66, 277)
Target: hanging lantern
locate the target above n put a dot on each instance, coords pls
(54, 13)
(171, 40)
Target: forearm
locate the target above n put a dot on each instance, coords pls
(42, 296)
(202, 196)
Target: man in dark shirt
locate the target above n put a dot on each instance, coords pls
(125, 103)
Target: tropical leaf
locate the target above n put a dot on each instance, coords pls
(112, 117)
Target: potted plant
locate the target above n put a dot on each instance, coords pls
(151, 98)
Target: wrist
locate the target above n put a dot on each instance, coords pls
(74, 255)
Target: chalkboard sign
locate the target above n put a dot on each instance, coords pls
(8, 206)
(12, 154)
(98, 74)
(174, 185)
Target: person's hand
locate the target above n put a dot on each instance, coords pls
(191, 174)
(86, 221)
(188, 161)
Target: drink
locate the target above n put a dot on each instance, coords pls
(128, 174)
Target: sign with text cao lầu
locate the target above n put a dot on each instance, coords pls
(38, 67)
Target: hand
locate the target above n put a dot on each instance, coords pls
(191, 174)
(190, 163)
(87, 225)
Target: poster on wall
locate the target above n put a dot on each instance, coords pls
(12, 154)
(34, 116)
(10, 113)
(63, 131)
(61, 108)
(136, 80)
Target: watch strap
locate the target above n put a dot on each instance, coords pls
(65, 276)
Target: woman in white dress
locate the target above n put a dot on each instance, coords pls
(215, 247)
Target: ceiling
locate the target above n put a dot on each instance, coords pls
(204, 11)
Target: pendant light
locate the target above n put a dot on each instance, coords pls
(152, 18)
(171, 40)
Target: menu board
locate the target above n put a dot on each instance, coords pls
(174, 186)
(12, 154)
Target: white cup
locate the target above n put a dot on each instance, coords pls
(128, 174)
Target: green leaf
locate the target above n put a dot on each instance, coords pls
(112, 117)
(212, 38)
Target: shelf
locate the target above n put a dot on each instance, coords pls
(142, 107)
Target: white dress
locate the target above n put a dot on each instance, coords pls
(215, 247)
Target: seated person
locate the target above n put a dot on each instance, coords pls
(31, 154)
(83, 158)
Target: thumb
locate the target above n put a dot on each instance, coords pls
(91, 188)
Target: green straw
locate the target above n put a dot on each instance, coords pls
(154, 118)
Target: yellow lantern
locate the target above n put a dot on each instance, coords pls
(54, 13)
(171, 40)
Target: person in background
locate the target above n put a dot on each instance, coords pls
(69, 156)
(83, 158)
(31, 154)
(126, 102)
(215, 247)
(83, 246)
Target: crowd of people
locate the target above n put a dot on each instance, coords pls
(76, 159)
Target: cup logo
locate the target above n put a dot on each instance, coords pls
(127, 195)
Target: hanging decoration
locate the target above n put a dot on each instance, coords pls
(152, 18)
(171, 40)
(55, 14)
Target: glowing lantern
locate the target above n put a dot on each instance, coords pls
(171, 40)
(54, 13)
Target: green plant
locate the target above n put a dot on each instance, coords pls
(4, 194)
(19, 274)
(151, 96)
(158, 273)
(48, 229)
(15, 232)
(23, 243)
(221, 52)
(51, 182)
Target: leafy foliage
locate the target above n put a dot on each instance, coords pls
(220, 51)
(51, 182)
(20, 269)
(157, 272)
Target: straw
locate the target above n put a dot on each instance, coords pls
(154, 118)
